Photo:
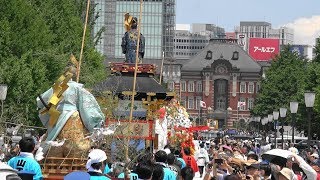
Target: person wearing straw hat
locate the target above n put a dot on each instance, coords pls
(252, 169)
(95, 164)
(285, 174)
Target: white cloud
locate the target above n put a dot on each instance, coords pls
(305, 30)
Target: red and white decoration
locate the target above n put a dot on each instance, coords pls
(203, 104)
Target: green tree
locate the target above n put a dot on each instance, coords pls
(36, 40)
(317, 51)
(313, 84)
(284, 82)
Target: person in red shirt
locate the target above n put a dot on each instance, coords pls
(190, 161)
(316, 167)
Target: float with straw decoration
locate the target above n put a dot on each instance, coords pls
(180, 134)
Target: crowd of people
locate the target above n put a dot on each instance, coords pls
(220, 158)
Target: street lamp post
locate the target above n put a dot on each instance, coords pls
(293, 108)
(209, 116)
(258, 122)
(309, 98)
(270, 119)
(229, 109)
(283, 113)
(3, 95)
(264, 123)
(275, 117)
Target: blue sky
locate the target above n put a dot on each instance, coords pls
(228, 13)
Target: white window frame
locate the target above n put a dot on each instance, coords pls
(251, 87)
(258, 87)
(199, 86)
(191, 86)
(242, 108)
(171, 85)
(243, 90)
(183, 101)
(250, 103)
(198, 99)
(183, 86)
(191, 105)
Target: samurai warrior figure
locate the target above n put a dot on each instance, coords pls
(130, 40)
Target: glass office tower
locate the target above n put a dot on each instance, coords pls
(158, 23)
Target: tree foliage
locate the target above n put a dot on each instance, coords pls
(36, 40)
(287, 80)
(283, 83)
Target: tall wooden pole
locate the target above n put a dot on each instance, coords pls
(161, 69)
(134, 82)
(83, 38)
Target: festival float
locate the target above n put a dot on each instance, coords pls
(135, 107)
(130, 97)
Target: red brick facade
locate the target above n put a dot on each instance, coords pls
(220, 82)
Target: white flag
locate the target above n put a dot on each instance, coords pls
(240, 104)
(203, 104)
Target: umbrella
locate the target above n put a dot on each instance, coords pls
(227, 147)
(277, 156)
(79, 175)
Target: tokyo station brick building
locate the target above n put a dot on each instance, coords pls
(221, 75)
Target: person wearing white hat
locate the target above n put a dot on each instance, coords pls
(313, 157)
(95, 164)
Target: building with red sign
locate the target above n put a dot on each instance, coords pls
(222, 75)
(263, 49)
(261, 29)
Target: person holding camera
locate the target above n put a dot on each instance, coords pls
(211, 171)
(218, 169)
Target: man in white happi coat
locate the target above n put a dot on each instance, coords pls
(161, 130)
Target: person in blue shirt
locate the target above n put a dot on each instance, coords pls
(161, 159)
(133, 176)
(25, 160)
(145, 171)
(106, 169)
(95, 164)
(178, 155)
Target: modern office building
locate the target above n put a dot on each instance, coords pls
(211, 30)
(157, 26)
(257, 29)
(191, 41)
(284, 34)
(304, 51)
(188, 44)
(254, 29)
